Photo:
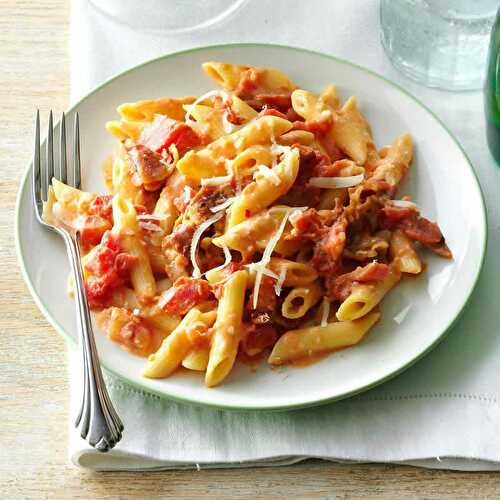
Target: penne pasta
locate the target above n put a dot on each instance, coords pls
(227, 329)
(264, 191)
(237, 213)
(308, 342)
(126, 227)
(176, 346)
(403, 253)
(300, 299)
(364, 297)
(211, 161)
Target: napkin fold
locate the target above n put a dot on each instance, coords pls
(444, 412)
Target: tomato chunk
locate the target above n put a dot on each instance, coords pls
(110, 268)
(342, 285)
(185, 294)
(164, 132)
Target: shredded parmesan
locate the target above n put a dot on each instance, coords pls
(266, 257)
(216, 181)
(257, 267)
(203, 97)
(325, 313)
(186, 194)
(265, 171)
(336, 182)
(148, 217)
(149, 226)
(165, 297)
(224, 205)
(280, 281)
(228, 257)
(403, 204)
(196, 238)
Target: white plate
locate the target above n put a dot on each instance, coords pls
(415, 315)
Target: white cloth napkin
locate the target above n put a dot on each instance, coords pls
(444, 412)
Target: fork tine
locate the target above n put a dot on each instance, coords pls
(37, 181)
(49, 171)
(63, 165)
(77, 172)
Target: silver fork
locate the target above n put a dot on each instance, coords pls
(97, 420)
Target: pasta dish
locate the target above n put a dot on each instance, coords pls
(255, 220)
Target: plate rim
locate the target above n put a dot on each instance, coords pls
(234, 407)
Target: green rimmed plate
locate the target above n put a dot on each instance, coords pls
(415, 316)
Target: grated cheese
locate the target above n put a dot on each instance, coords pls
(216, 181)
(165, 297)
(228, 257)
(149, 226)
(325, 314)
(258, 267)
(266, 257)
(224, 205)
(336, 182)
(148, 217)
(265, 171)
(279, 283)
(403, 204)
(196, 238)
(200, 99)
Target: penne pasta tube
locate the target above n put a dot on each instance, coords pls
(127, 230)
(197, 359)
(403, 253)
(177, 345)
(364, 297)
(210, 161)
(227, 329)
(307, 342)
(300, 299)
(145, 111)
(264, 191)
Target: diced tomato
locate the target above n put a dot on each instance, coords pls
(393, 215)
(109, 267)
(185, 294)
(328, 251)
(137, 336)
(148, 165)
(341, 286)
(102, 205)
(423, 230)
(307, 225)
(92, 229)
(257, 338)
(412, 224)
(315, 126)
(164, 132)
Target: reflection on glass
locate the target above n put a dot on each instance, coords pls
(440, 43)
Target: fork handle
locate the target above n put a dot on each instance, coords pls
(98, 421)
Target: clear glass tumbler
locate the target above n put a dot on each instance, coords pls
(440, 43)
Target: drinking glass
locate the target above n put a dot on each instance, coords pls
(169, 16)
(440, 43)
